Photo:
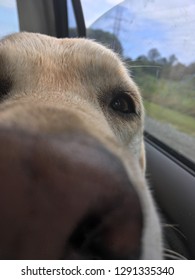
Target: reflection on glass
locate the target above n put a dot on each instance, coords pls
(157, 40)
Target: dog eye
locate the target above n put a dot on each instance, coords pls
(123, 103)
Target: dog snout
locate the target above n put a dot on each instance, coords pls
(65, 197)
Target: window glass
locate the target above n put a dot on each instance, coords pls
(8, 17)
(92, 10)
(157, 40)
(71, 20)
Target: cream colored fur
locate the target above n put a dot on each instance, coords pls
(55, 78)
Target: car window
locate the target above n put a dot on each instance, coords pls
(157, 40)
(71, 20)
(8, 17)
(95, 9)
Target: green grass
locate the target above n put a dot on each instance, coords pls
(175, 95)
(181, 121)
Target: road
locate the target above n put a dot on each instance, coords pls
(179, 141)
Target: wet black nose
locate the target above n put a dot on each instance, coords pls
(65, 197)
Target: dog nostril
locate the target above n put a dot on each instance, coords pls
(84, 231)
(110, 236)
(114, 233)
(83, 237)
(86, 240)
(77, 201)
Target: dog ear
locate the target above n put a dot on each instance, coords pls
(142, 159)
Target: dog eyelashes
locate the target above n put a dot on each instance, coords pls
(5, 86)
(123, 104)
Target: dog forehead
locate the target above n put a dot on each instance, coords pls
(83, 52)
(64, 60)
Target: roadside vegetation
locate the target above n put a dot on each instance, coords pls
(181, 121)
(168, 89)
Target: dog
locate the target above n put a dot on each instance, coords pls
(72, 158)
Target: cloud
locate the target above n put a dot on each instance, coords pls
(94, 9)
(166, 25)
(114, 2)
(8, 3)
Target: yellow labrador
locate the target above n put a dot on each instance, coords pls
(72, 158)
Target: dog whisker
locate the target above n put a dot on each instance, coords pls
(168, 253)
(175, 228)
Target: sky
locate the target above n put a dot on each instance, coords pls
(8, 17)
(94, 9)
(168, 25)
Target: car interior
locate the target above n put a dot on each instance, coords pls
(170, 173)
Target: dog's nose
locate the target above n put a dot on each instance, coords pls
(65, 198)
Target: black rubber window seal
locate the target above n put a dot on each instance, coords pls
(180, 159)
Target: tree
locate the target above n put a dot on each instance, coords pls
(153, 55)
(107, 38)
(162, 61)
(172, 59)
(191, 69)
(177, 71)
(142, 59)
